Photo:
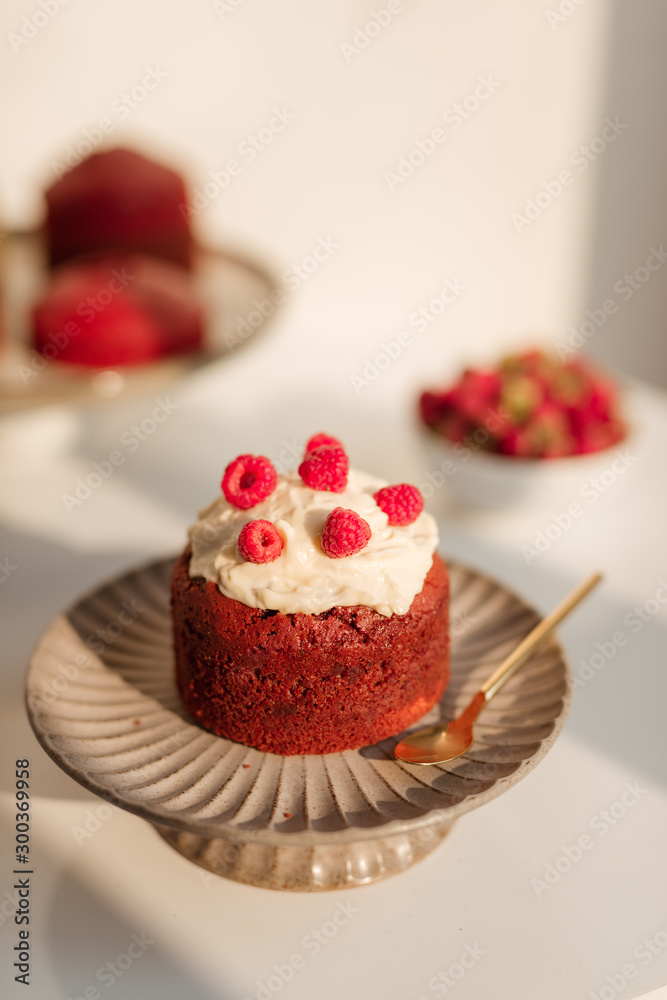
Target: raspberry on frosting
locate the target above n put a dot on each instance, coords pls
(317, 440)
(248, 480)
(325, 468)
(344, 533)
(309, 576)
(402, 504)
(260, 541)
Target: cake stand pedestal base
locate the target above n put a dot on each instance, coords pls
(308, 868)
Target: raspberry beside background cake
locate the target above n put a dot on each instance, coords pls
(302, 651)
(117, 310)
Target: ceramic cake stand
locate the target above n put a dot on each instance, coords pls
(103, 703)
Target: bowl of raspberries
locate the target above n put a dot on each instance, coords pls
(531, 425)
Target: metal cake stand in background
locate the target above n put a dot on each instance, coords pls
(238, 296)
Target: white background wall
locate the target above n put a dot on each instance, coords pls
(631, 204)
(229, 65)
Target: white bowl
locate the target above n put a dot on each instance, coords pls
(488, 480)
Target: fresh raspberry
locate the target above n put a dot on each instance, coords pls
(248, 480)
(517, 442)
(344, 533)
(478, 392)
(402, 504)
(436, 407)
(318, 440)
(430, 405)
(596, 437)
(453, 427)
(325, 468)
(259, 541)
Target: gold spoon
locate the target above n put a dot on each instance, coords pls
(438, 744)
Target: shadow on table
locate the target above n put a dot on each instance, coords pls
(90, 947)
(617, 658)
(48, 577)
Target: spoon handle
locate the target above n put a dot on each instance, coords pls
(518, 657)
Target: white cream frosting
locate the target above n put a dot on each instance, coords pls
(386, 575)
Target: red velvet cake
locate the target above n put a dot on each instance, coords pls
(302, 626)
(118, 200)
(118, 310)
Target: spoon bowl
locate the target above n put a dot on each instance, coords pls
(439, 744)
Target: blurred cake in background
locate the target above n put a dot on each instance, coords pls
(118, 199)
(117, 309)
